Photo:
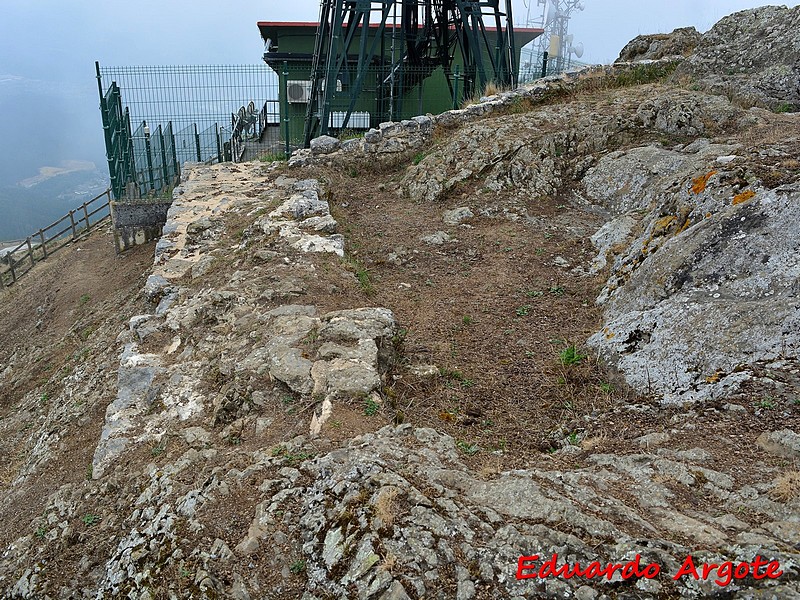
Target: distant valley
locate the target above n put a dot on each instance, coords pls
(40, 200)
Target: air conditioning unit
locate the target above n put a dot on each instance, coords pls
(298, 91)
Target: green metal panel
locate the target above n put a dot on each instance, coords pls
(386, 95)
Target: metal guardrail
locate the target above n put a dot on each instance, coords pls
(38, 246)
(247, 125)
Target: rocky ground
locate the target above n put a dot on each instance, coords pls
(563, 320)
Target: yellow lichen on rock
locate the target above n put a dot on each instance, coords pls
(699, 183)
(743, 197)
(663, 225)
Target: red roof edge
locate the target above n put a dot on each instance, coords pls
(315, 24)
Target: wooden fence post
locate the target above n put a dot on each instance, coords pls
(11, 266)
(30, 252)
(86, 216)
(72, 222)
(44, 244)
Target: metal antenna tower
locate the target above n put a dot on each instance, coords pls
(559, 27)
(353, 38)
(556, 45)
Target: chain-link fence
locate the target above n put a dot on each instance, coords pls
(158, 117)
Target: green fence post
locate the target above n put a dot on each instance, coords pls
(285, 109)
(149, 152)
(456, 77)
(176, 167)
(197, 143)
(219, 144)
(107, 131)
(129, 161)
(164, 167)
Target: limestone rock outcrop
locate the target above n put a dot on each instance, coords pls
(751, 56)
(681, 42)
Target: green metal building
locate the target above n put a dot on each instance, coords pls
(289, 51)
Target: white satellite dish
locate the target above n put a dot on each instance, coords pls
(577, 49)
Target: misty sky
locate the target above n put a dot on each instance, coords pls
(48, 95)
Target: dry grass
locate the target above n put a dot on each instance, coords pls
(388, 563)
(595, 443)
(492, 88)
(787, 487)
(385, 507)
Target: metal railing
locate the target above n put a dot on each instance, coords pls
(532, 65)
(37, 247)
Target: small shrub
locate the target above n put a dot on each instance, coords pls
(571, 356)
(453, 374)
(312, 336)
(291, 457)
(362, 275)
(273, 157)
(297, 567)
(467, 448)
(371, 407)
(767, 403)
(349, 134)
(90, 519)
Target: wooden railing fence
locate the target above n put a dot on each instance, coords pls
(38, 246)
